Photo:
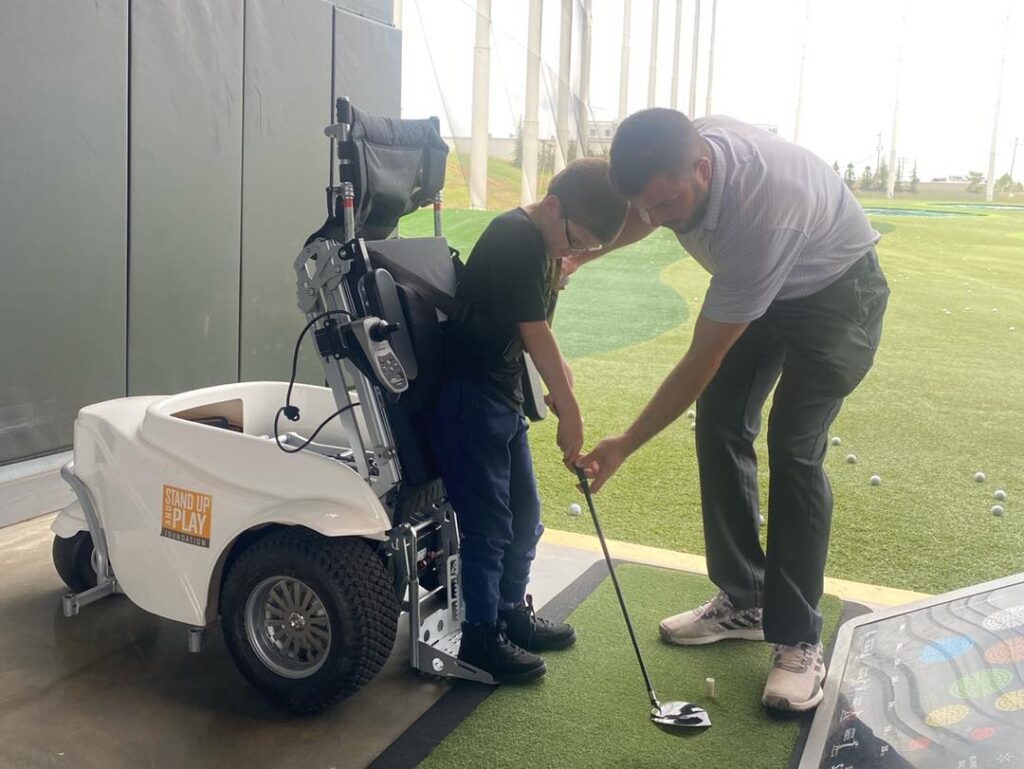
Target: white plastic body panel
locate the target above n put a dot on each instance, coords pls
(129, 451)
(69, 521)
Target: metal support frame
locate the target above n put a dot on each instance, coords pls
(106, 583)
(321, 268)
(436, 616)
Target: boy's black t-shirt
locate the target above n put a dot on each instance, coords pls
(508, 280)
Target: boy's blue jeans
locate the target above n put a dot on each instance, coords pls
(481, 448)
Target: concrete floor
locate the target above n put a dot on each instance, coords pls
(116, 687)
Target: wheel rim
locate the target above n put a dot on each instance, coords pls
(288, 626)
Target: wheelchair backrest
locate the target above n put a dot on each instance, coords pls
(388, 168)
(394, 166)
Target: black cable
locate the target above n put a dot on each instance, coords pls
(290, 411)
(311, 438)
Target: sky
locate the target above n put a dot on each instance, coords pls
(951, 52)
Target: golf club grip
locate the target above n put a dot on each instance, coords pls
(585, 485)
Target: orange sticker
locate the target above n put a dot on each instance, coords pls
(187, 516)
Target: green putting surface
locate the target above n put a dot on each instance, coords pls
(591, 709)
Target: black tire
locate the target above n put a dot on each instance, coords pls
(354, 599)
(72, 557)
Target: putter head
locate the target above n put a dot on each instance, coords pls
(680, 718)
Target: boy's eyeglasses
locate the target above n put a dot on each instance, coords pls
(574, 245)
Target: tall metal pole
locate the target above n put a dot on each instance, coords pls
(990, 184)
(583, 121)
(675, 55)
(800, 81)
(652, 76)
(1013, 158)
(624, 61)
(564, 60)
(891, 189)
(481, 101)
(711, 56)
(531, 124)
(693, 60)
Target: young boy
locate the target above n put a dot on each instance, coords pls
(478, 430)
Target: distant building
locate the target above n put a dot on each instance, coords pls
(600, 134)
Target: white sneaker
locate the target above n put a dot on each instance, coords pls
(796, 679)
(714, 620)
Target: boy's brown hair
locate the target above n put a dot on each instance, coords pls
(588, 197)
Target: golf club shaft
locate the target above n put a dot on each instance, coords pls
(585, 485)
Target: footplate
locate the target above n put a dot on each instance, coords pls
(436, 616)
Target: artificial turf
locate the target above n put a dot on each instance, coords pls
(591, 708)
(944, 400)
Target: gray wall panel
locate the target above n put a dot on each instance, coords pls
(368, 64)
(381, 10)
(285, 171)
(63, 113)
(185, 188)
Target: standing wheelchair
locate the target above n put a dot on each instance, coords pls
(307, 537)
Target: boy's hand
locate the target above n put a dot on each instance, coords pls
(570, 434)
(550, 402)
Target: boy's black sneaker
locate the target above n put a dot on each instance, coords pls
(536, 634)
(487, 647)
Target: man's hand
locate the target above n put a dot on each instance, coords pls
(570, 434)
(601, 463)
(570, 264)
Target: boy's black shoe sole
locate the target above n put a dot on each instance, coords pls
(520, 678)
(488, 648)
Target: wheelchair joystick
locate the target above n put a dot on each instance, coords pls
(379, 332)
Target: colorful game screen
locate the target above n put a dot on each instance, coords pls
(938, 688)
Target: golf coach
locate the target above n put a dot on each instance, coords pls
(796, 298)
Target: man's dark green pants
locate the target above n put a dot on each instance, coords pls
(818, 349)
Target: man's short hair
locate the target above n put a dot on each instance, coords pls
(589, 198)
(650, 143)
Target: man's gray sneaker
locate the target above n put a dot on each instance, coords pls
(796, 679)
(714, 620)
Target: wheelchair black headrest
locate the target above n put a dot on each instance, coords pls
(396, 167)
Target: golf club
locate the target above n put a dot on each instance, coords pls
(678, 718)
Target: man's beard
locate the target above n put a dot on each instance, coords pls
(684, 226)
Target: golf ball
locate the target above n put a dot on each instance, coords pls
(575, 509)
(979, 476)
(1012, 328)
(836, 440)
(998, 511)
(760, 520)
(876, 480)
(691, 414)
(693, 425)
(999, 494)
(851, 459)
